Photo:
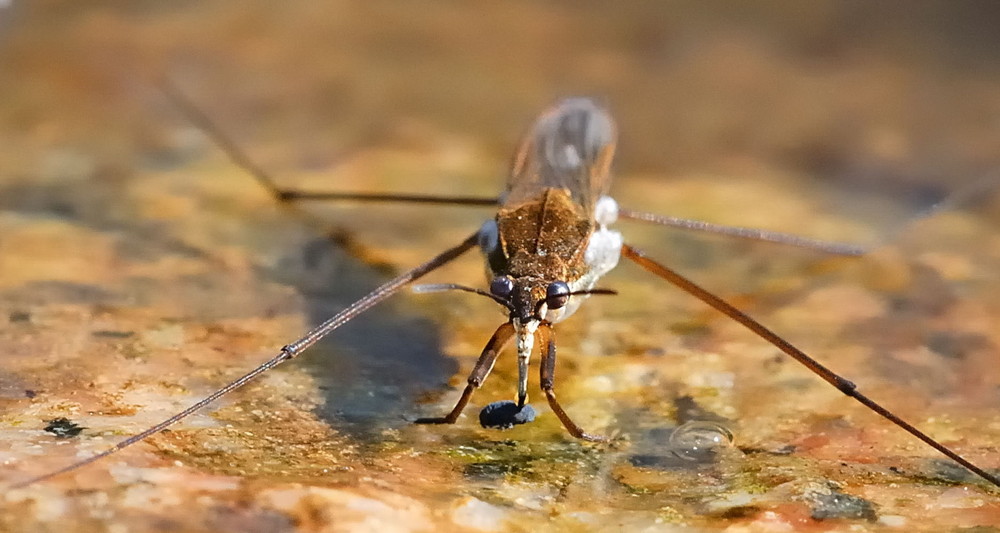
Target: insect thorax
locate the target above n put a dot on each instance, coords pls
(551, 239)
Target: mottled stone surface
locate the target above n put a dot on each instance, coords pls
(140, 270)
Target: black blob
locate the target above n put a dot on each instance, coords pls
(505, 415)
(63, 428)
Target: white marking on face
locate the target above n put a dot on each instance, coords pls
(525, 344)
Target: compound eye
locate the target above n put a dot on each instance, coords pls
(557, 294)
(501, 287)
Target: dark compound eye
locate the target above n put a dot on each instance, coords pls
(501, 287)
(557, 294)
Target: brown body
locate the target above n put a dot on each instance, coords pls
(542, 241)
(549, 242)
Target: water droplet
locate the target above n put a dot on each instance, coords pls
(699, 440)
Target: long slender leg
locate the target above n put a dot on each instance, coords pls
(971, 191)
(843, 385)
(337, 235)
(289, 351)
(547, 373)
(777, 237)
(285, 196)
(478, 375)
(292, 195)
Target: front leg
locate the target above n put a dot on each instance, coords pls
(478, 375)
(547, 373)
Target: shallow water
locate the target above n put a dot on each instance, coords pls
(140, 270)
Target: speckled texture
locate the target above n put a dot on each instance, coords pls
(139, 270)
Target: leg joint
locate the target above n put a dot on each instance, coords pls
(845, 386)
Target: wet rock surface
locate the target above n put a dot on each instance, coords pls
(140, 270)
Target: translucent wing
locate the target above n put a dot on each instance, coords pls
(570, 146)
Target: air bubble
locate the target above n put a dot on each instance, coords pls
(700, 441)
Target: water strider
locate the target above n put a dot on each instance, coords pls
(546, 248)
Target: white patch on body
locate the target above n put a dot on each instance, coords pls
(605, 211)
(602, 255)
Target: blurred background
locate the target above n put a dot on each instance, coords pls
(837, 91)
(125, 233)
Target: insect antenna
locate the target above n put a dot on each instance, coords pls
(289, 351)
(441, 287)
(589, 292)
(843, 385)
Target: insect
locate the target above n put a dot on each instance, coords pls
(545, 250)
